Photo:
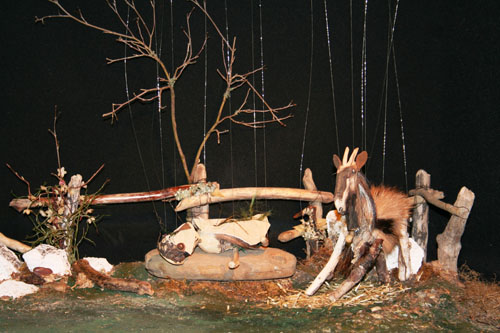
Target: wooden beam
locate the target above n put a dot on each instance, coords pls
(433, 196)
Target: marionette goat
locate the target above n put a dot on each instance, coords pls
(375, 215)
(376, 212)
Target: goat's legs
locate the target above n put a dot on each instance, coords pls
(361, 267)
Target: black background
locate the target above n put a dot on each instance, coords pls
(447, 64)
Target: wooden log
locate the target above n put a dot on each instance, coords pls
(449, 241)
(248, 193)
(108, 282)
(361, 267)
(420, 227)
(341, 229)
(14, 244)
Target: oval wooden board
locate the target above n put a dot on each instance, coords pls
(259, 264)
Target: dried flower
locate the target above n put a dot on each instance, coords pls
(61, 172)
(27, 211)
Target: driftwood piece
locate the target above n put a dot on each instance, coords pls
(105, 281)
(361, 267)
(248, 193)
(341, 229)
(449, 241)
(14, 244)
(199, 175)
(420, 227)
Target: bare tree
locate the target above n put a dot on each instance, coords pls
(139, 39)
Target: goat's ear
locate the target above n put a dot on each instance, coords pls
(361, 160)
(336, 161)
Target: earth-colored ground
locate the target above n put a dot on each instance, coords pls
(272, 306)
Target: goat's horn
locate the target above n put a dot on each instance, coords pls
(346, 154)
(353, 156)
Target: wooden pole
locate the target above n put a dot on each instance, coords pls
(248, 193)
(199, 175)
(449, 241)
(420, 227)
(312, 245)
(164, 194)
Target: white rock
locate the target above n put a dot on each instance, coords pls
(100, 264)
(15, 289)
(49, 257)
(9, 263)
(416, 257)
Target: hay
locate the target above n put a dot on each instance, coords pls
(480, 300)
(365, 293)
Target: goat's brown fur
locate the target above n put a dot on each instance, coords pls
(393, 207)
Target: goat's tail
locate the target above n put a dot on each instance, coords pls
(393, 209)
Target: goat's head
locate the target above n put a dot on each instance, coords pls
(347, 176)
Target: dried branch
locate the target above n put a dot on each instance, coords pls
(30, 196)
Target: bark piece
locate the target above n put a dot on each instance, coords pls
(107, 282)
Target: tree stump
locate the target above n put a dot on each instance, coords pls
(449, 241)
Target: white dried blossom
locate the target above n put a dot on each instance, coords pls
(61, 172)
